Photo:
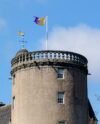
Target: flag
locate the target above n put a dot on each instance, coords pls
(40, 21)
(20, 33)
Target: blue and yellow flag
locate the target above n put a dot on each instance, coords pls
(40, 21)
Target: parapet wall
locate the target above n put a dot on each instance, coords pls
(24, 59)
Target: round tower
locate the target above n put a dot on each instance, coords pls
(49, 87)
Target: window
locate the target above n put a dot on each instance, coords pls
(14, 79)
(60, 73)
(13, 102)
(61, 97)
(61, 122)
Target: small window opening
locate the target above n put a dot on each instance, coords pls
(60, 73)
(61, 97)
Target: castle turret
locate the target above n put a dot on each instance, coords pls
(49, 87)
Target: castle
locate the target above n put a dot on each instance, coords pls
(48, 87)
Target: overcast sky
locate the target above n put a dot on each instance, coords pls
(73, 25)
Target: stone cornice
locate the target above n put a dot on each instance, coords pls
(48, 62)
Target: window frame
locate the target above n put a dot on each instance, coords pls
(60, 73)
(59, 99)
(61, 122)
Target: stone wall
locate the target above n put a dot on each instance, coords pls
(5, 114)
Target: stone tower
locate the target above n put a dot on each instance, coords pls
(49, 87)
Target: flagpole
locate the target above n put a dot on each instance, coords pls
(46, 32)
